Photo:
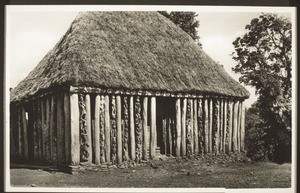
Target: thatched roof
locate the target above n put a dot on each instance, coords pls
(128, 50)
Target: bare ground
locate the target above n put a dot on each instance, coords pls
(169, 173)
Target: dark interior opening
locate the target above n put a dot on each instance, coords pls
(165, 125)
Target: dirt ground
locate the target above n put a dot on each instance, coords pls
(168, 173)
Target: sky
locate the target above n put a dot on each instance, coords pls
(31, 34)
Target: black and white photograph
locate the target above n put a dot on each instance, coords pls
(150, 98)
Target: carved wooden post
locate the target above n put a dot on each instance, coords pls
(35, 129)
(192, 126)
(229, 126)
(201, 134)
(243, 127)
(119, 129)
(125, 128)
(53, 130)
(224, 126)
(210, 125)
(39, 131)
(89, 127)
(188, 128)
(60, 130)
(196, 137)
(48, 132)
(206, 125)
(67, 118)
(107, 128)
(239, 126)
(178, 127)
(164, 135)
(235, 126)
(138, 129)
(102, 128)
(183, 128)
(145, 126)
(24, 131)
(169, 133)
(216, 125)
(20, 131)
(75, 130)
(132, 131)
(84, 141)
(221, 115)
(96, 134)
(113, 130)
(153, 128)
(43, 137)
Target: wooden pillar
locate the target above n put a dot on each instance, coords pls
(53, 131)
(183, 128)
(119, 129)
(102, 128)
(216, 125)
(138, 129)
(67, 118)
(210, 137)
(153, 128)
(192, 126)
(113, 130)
(235, 126)
(96, 132)
(107, 128)
(164, 135)
(178, 127)
(221, 129)
(169, 133)
(35, 130)
(224, 126)
(39, 130)
(125, 129)
(196, 136)
(74, 127)
(132, 126)
(242, 127)
(20, 131)
(201, 133)
(145, 126)
(206, 125)
(89, 127)
(24, 131)
(60, 130)
(239, 126)
(48, 132)
(188, 128)
(43, 129)
(229, 126)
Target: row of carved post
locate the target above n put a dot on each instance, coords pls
(119, 132)
(40, 130)
(61, 128)
(209, 126)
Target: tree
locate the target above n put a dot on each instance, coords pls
(186, 21)
(264, 57)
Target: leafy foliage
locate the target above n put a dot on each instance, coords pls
(186, 21)
(264, 61)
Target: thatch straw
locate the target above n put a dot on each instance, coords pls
(128, 50)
